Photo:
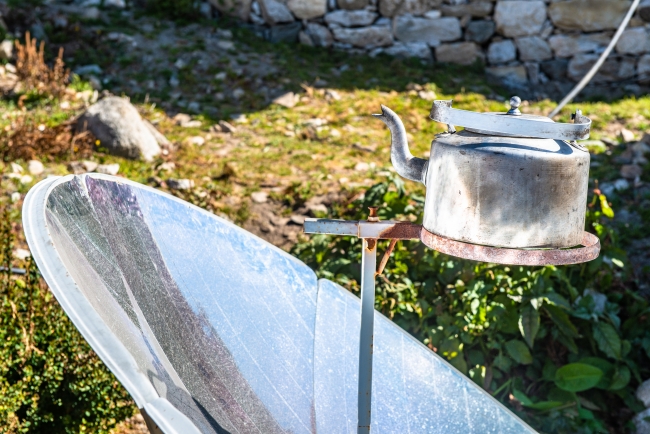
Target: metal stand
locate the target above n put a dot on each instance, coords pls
(370, 232)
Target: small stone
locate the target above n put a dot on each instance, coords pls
(357, 18)
(480, 31)
(174, 81)
(580, 64)
(633, 41)
(631, 171)
(238, 8)
(85, 70)
(95, 83)
(587, 15)
(288, 100)
(220, 76)
(167, 166)
(317, 209)
(89, 166)
(16, 168)
(227, 127)
(427, 95)
(305, 39)
(643, 393)
(238, 93)
(331, 94)
(320, 35)
(226, 45)
(260, 197)
(533, 48)
(6, 50)
(26, 179)
(414, 29)
(181, 119)
(35, 167)
(364, 37)
(275, 12)
(284, 32)
(307, 9)
(626, 135)
(352, 4)
(362, 167)
(108, 169)
(195, 140)
(608, 188)
(519, 17)
(180, 184)
(22, 254)
(501, 52)
(15, 197)
(461, 53)
(297, 219)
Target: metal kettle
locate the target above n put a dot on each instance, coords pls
(507, 180)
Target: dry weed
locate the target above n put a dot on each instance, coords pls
(35, 74)
(28, 141)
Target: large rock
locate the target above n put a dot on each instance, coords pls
(519, 17)
(275, 12)
(643, 393)
(643, 68)
(644, 10)
(364, 37)
(412, 49)
(555, 69)
(479, 31)
(612, 70)
(501, 52)
(642, 422)
(533, 48)
(120, 129)
(462, 53)
(570, 45)
(319, 35)
(391, 8)
(346, 18)
(510, 76)
(238, 8)
(588, 15)
(633, 41)
(408, 28)
(476, 8)
(352, 4)
(308, 9)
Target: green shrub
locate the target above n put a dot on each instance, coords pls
(533, 337)
(50, 379)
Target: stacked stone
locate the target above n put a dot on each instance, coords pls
(522, 42)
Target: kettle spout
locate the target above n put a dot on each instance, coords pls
(405, 163)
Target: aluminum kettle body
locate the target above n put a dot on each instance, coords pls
(498, 191)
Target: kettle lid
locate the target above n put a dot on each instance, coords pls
(511, 123)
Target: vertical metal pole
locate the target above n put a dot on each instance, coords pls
(368, 267)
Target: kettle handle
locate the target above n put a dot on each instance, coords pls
(405, 163)
(504, 123)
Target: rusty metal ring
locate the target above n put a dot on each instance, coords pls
(506, 256)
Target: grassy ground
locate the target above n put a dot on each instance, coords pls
(326, 147)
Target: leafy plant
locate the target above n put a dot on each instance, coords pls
(50, 379)
(35, 75)
(564, 347)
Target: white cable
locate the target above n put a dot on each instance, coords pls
(594, 69)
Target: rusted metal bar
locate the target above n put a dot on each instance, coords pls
(384, 260)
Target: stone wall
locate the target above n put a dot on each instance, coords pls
(543, 46)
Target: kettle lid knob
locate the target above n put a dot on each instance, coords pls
(515, 102)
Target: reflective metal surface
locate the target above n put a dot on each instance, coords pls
(213, 330)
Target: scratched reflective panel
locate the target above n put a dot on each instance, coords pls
(414, 390)
(237, 334)
(221, 321)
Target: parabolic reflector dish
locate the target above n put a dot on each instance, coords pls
(214, 330)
